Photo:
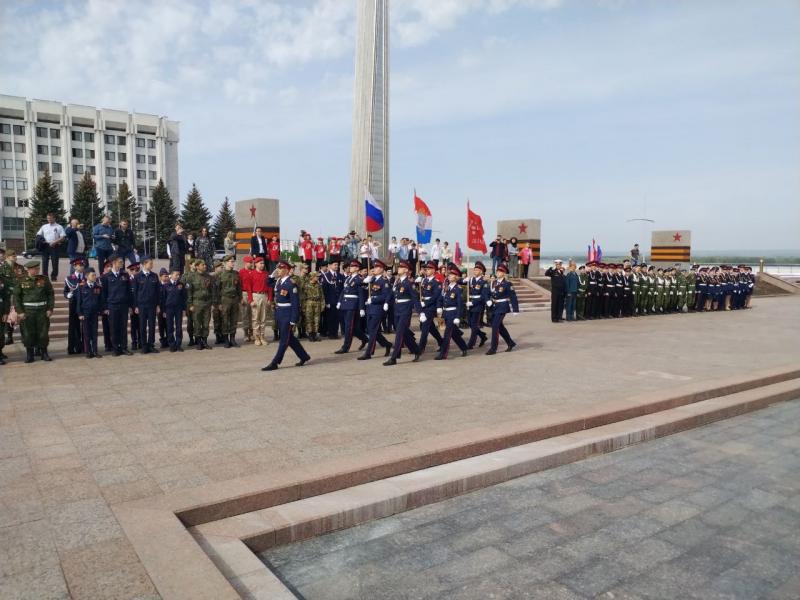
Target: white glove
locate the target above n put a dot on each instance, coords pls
(369, 300)
(422, 304)
(328, 306)
(489, 303)
(338, 305)
(438, 312)
(70, 295)
(362, 312)
(291, 324)
(469, 303)
(456, 321)
(385, 306)
(422, 317)
(368, 278)
(418, 280)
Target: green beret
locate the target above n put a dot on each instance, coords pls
(29, 264)
(217, 263)
(229, 258)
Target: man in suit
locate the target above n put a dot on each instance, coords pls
(177, 249)
(124, 240)
(76, 243)
(258, 244)
(557, 290)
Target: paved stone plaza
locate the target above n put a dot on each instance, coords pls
(79, 436)
(712, 513)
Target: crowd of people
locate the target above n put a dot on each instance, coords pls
(612, 290)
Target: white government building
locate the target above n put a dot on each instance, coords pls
(68, 139)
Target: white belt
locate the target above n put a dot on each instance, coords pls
(35, 303)
(401, 300)
(501, 300)
(478, 296)
(428, 298)
(451, 308)
(350, 296)
(283, 304)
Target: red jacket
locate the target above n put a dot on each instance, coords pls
(307, 248)
(274, 249)
(244, 278)
(259, 284)
(319, 251)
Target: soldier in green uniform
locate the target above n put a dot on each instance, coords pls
(300, 282)
(187, 280)
(691, 286)
(580, 304)
(638, 285)
(312, 301)
(230, 294)
(201, 296)
(658, 305)
(680, 290)
(34, 301)
(216, 313)
(14, 274)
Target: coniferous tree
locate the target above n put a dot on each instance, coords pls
(223, 223)
(126, 207)
(45, 199)
(195, 215)
(86, 206)
(161, 219)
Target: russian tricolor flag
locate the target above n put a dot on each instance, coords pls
(424, 220)
(374, 215)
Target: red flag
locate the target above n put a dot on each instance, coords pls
(475, 239)
(458, 256)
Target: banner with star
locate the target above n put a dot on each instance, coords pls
(671, 246)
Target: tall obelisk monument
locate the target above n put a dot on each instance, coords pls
(370, 157)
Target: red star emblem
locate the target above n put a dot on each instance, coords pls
(253, 211)
(676, 237)
(522, 228)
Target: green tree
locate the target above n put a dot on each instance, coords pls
(161, 219)
(126, 207)
(45, 199)
(223, 223)
(86, 206)
(195, 215)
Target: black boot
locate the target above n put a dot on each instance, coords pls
(232, 339)
(191, 341)
(45, 355)
(28, 355)
(227, 341)
(10, 338)
(199, 343)
(275, 336)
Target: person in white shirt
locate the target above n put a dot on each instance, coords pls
(436, 251)
(447, 254)
(53, 235)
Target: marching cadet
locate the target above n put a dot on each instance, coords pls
(476, 303)
(451, 305)
(200, 297)
(405, 300)
(431, 305)
(379, 293)
(312, 302)
(504, 300)
(5, 303)
(187, 279)
(89, 307)
(163, 277)
(117, 302)
(230, 295)
(247, 291)
(581, 299)
(332, 282)
(287, 314)
(146, 288)
(34, 301)
(351, 305)
(173, 305)
(72, 284)
(216, 311)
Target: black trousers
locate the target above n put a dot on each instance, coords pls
(403, 336)
(556, 305)
(90, 333)
(51, 255)
(174, 323)
(75, 330)
(374, 334)
(332, 321)
(118, 323)
(147, 326)
(352, 328)
(475, 327)
(162, 329)
(428, 328)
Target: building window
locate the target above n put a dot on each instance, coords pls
(77, 169)
(151, 143)
(59, 186)
(5, 128)
(140, 142)
(110, 139)
(120, 140)
(9, 201)
(41, 132)
(122, 156)
(110, 155)
(153, 175)
(151, 160)
(77, 136)
(141, 174)
(8, 184)
(22, 165)
(18, 147)
(141, 191)
(111, 190)
(13, 223)
(7, 163)
(19, 129)
(43, 166)
(77, 153)
(88, 137)
(140, 158)
(55, 150)
(55, 134)
(123, 172)
(90, 154)
(92, 169)
(41, 150)
(22, 184)
(56, 167)
(111, 171)
(5, 146)
(23, 202)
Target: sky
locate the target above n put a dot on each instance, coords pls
(582, 113)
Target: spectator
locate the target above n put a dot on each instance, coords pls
(353, 244)
(258, 244)
(190, 246)
(103, 235)
(423, 253)
(204, 248)
(557, 289)
(525, 255)
(392, 249)
(635, 254)
(177, 250)
(274, 253)
(571, 289)
(229, 244)
(498, 253)
(436, 251)
(124, 240)
(413, 258)
(513, 257)
(402, 250)
(52, 235)
(447, 254)
(76, 243)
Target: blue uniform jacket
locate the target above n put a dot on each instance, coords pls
(478, 293)
(117, 290)
(572, 282)
(72, 283)
(502, 295)
(451, 300)
(146, 289)
(352, 295)
(380, 290)
(287, 301)
(332, 287)
(405, 296)
(431, 295)
(90, 299)
(173, 296)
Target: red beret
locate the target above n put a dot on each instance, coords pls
(248, 258)
(258, 259)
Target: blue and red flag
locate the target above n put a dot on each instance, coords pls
(424, 220)
(374, 215)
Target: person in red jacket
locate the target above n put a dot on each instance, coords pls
(319, 252)
(335, 250)
(247, 310)
(273, 253)
(258, 297)
(307, 250)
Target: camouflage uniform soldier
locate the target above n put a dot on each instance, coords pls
(691, 281)
(201, 296)
(187, 279)
(661, 291)
(581, 300)
(230, 293)
(34, 301)
(300, 282)
(312, 301)
(680, 290)
(216, 312)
